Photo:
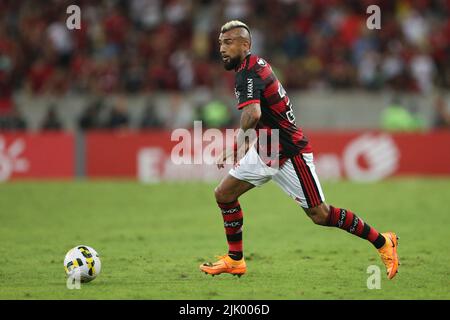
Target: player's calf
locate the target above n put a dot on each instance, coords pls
(233, 220)
(350, 222)
(230, 189)
(345, 219)
(224, 196)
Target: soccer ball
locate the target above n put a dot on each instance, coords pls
(83, 262)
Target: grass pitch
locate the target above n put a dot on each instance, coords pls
(152, 238)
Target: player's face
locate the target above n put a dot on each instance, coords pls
(232, 49)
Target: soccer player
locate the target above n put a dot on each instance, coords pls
(265, 105)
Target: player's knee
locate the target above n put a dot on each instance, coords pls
(217, 193)
(319, 214)
(223, 196)
(318, 219)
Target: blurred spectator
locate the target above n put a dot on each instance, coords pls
(6, 87)
(182, 64)
(40, 75)
(118, 118)
(423, 70)
(61, 40)
(133, 77)
(442, 115)
(14, 121)
(215, 114)
(179, 114)
(236, 9)
(176, 11)
(369, 73)
(51, 120)
(415, 27)
(150, 118)
(145, 45)
(90, 118)
(392, 65)
(146, 13)
(397, 118)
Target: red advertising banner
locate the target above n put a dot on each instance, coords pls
(116, 154)
(376, 155)
(361, 156)
(39, 155)
(148, 156)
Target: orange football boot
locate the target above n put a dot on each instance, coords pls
(388, 253)
(225, 265)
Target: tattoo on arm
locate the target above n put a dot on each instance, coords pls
(250, 116)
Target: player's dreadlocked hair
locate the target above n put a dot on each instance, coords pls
(233, 24)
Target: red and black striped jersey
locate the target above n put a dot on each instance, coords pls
(257, 83)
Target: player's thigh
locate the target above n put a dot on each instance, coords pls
(298, 178)
(248, 173)
(252, 169)
(231, 188)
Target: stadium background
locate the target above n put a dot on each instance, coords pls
(80, 109)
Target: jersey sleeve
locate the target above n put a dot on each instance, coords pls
(249, 88)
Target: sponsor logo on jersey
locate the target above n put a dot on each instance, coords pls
(261, 62)
(249, 88)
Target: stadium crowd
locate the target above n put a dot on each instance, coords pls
(146, 46)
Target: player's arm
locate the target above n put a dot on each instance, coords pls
(249, 118)
(249, 87)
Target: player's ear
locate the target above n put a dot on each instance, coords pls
(248, 45)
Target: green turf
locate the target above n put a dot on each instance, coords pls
(152, 238)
